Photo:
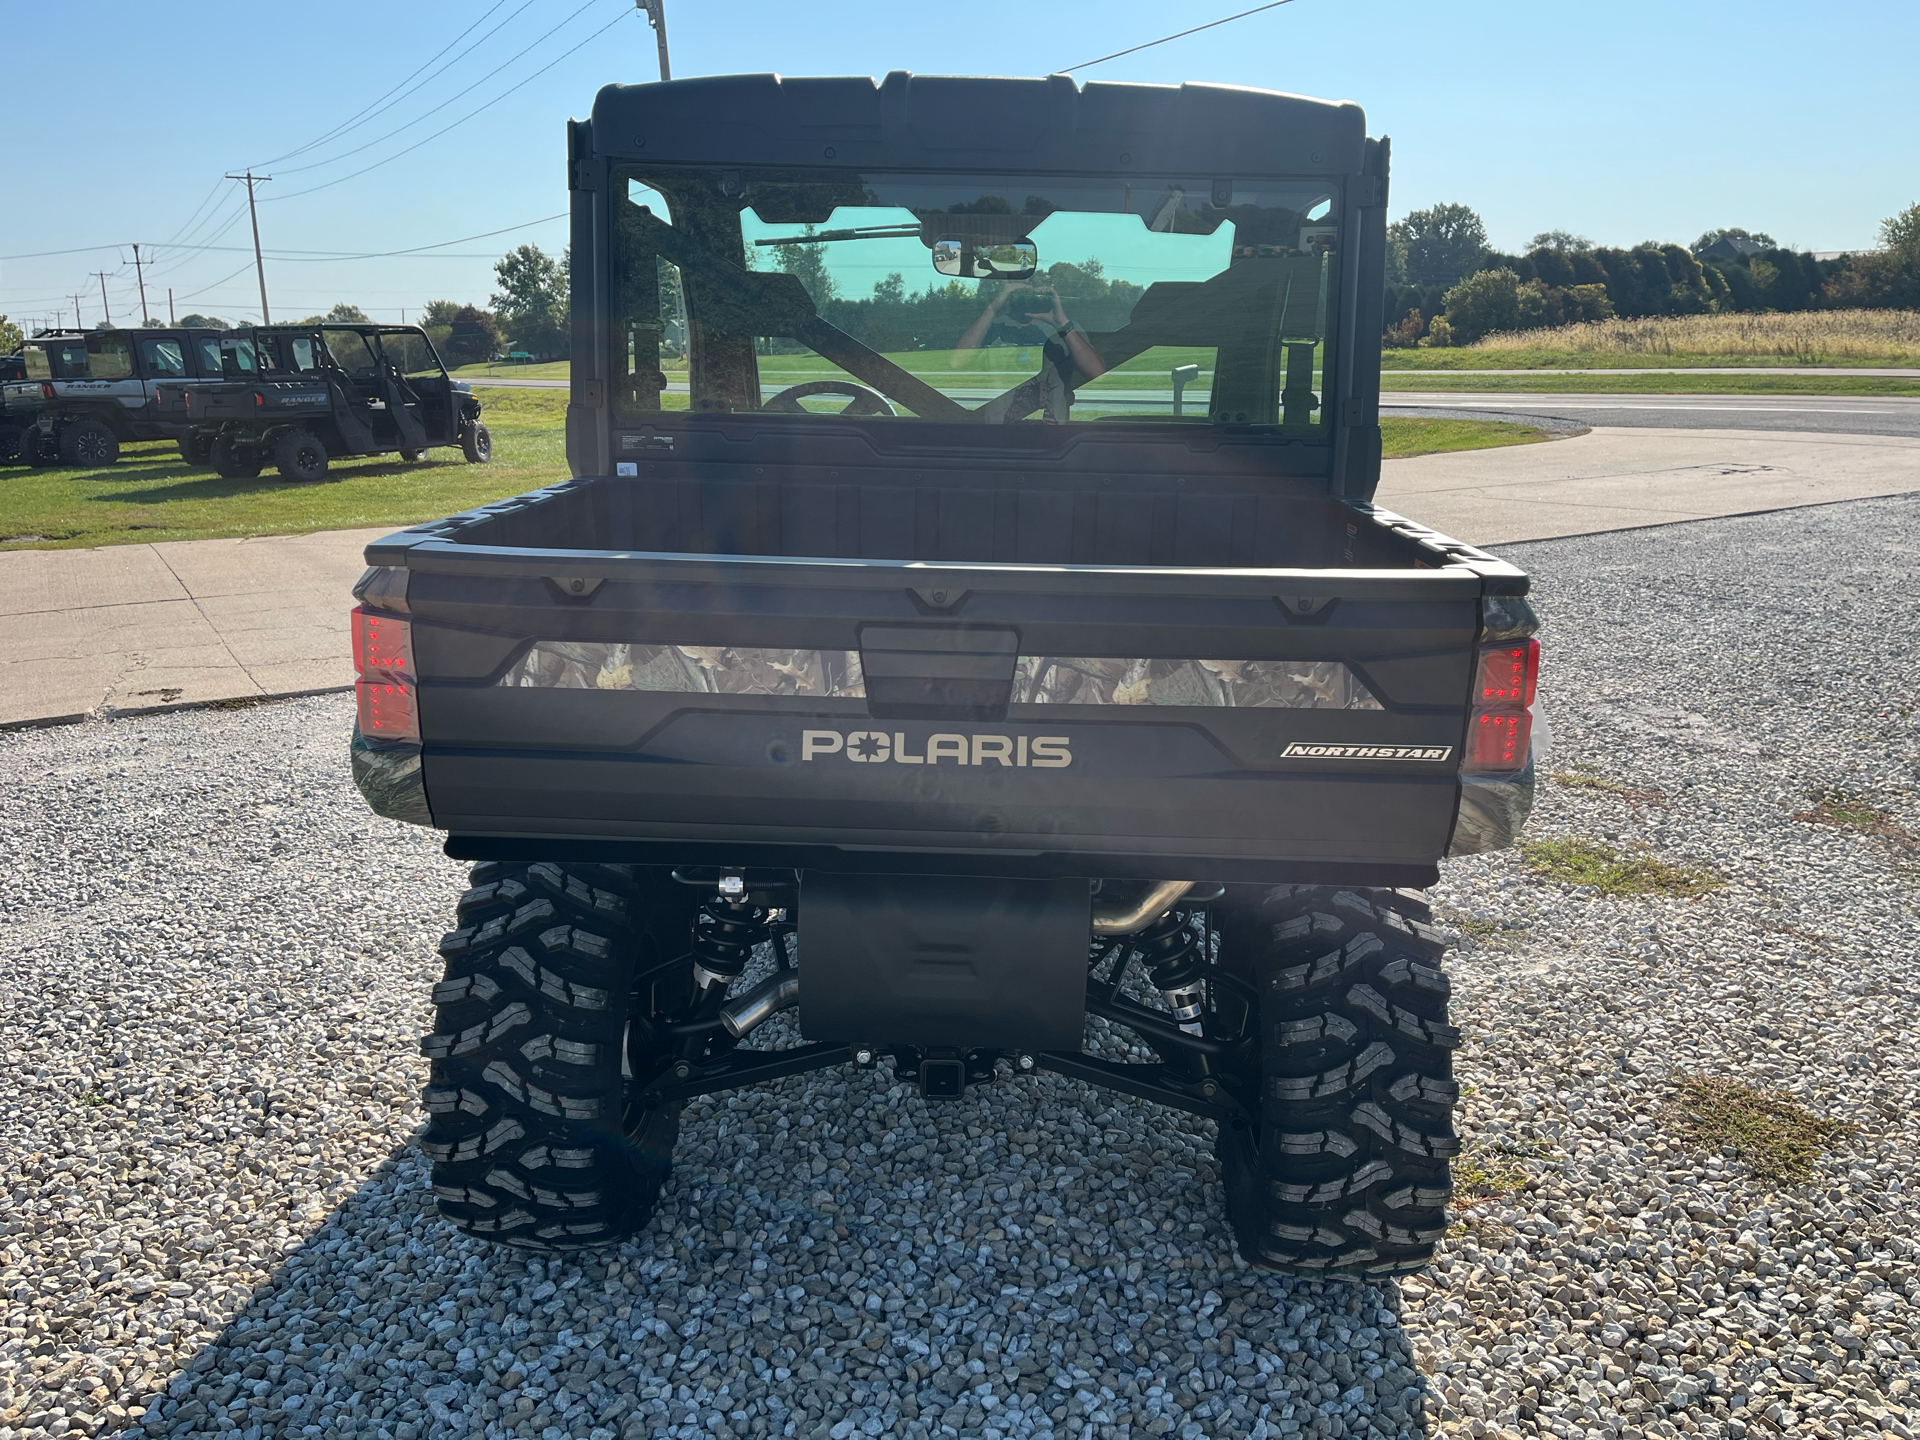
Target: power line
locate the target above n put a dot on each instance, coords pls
(1084, 64)
(368, 111)
(253, 214)
(332, 159)
(313, 256)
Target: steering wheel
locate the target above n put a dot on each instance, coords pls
(865, 401)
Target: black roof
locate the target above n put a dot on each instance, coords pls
(919, 122)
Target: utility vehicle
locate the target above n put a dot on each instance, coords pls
(297, 395)
(914, 663)
(84, 393)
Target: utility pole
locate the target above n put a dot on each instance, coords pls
(656, 11)
(105, 313)
(259, 265)
(77, 324)
(140, 275)
(170, 319)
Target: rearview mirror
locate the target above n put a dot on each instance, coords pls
(971, 260)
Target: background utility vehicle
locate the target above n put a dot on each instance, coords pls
(926, 633)
(296, 395)
(86, 392)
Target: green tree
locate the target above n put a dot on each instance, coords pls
(1561, 242)
(1901, 233)
(809, 264)
(439, 312)
(1439, 245)
(197, 321)
(11, 336)
(471, 336)
(531, 304)
(891, 290)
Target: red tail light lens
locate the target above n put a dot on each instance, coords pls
(1508, 675)
(383, 661)
(258, 399)
(388, 712)
(382, 646)
(46, 390)
(1498, 740)
(1501, 726)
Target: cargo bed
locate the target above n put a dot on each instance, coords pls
(952, 667)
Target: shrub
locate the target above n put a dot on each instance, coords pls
(1482, 304)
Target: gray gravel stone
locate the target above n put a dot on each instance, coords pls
(214, 1223)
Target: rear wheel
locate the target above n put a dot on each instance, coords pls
(413, 457)
(37, 448)
(476, 443)
(232, 462)
(1349, 1167)
(299, 455)
(10, 438)
(88, 443)
(195, 447)
(556, 980)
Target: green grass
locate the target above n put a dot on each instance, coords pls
(548, 370)
(1778, 1139)
(151, 495)
(1612, 872)
(1846, 810)
(1547, 384)
(1402, 438)
(1580, 778)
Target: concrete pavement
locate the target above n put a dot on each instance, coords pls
(130, 628)
(1833, 414)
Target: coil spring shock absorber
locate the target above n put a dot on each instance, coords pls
(1176, 967)
(725, 931)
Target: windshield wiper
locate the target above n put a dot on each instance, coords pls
(864, 232)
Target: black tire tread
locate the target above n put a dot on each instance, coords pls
(527, 1128)
(1350, 1170)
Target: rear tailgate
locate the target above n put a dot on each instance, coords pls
(1236, 723)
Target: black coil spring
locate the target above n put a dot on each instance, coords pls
(1171, 952)
(724, 934)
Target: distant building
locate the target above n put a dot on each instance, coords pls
(1730, 247)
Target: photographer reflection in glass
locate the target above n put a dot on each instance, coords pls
(1066, 349)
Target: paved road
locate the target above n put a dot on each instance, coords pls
(1821, 414)
(1877, 372)
(1826, 414)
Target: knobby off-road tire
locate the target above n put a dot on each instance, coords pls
(230, 462)
(10, 439)
(88, 443)
(194, 449)
(530, 1132)
(37, 448)
(299, 455)
(1348, 1170)
(476, 443)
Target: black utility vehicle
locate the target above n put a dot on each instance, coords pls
(295, 395)
(921, 625)
(83, 393)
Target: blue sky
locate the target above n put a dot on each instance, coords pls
(1624, 122)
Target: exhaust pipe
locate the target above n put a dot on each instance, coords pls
(1126, 919)
(749, 1011)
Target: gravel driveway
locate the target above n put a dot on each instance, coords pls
(218, 963)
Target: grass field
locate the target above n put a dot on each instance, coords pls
(151, 495)
(1814, 337)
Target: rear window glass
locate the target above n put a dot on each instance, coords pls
(38, 366)
(236, 357)
(109, 359)
(69, 359)
(209, 355)
(164, 359)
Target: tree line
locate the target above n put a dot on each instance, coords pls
(1447, 286)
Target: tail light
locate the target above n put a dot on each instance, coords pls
(258, 399)
(1500, 727)
(46, 389)
(384, 676)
